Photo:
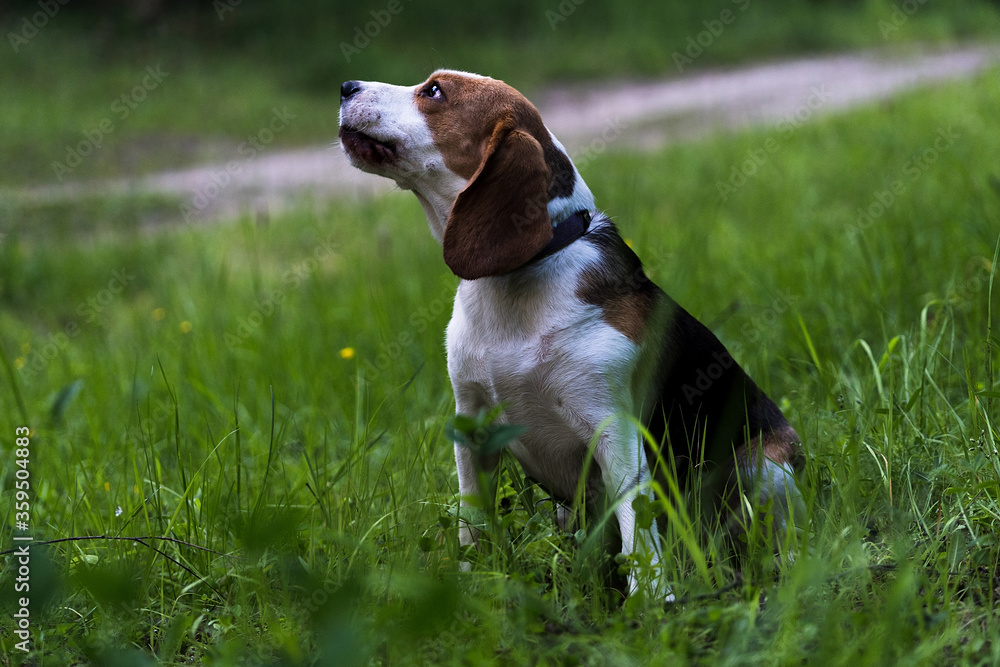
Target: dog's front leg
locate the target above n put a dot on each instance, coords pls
(625, 473)
(473, 471)
(476, 473)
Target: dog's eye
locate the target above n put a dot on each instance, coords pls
(433, 91)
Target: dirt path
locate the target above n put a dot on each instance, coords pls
(587, 119)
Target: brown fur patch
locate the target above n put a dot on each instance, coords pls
(627, 313)
(618, 285)
(782, 446)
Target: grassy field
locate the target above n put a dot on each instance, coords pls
(264, 404)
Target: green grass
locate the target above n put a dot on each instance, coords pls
(191, 383)
(223, 78)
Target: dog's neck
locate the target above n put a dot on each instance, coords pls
(436, 208)
(561, 208)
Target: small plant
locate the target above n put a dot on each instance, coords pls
(482, 434)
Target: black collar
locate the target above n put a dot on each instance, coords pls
(563, 234)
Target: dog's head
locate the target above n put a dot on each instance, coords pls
(490, 176)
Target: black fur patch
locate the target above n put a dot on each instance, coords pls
(563, 179)
(705, 404)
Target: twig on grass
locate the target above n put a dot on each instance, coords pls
(138, 539)
(714, 595)
(183, 566)
(144, 541)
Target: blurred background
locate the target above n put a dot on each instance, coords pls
(64, 63)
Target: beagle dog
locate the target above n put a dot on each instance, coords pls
(556, 322)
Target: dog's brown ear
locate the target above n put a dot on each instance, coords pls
(501, 219)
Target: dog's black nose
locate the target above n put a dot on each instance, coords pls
(348, 89)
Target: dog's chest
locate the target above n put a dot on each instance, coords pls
(551, 362)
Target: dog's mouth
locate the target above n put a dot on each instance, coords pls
(365, 148)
